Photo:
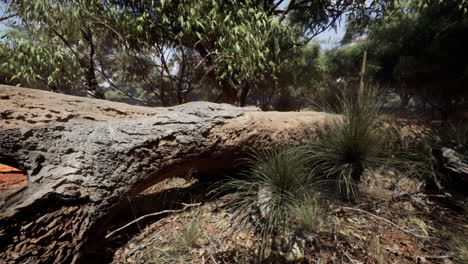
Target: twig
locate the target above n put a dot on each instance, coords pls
(286, 11)
(153, 214)
(212, 247)
(8, 17)
(346, 254)
(438, 257)
(162, 251)
(385, 220)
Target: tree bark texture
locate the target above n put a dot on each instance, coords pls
(80, 173)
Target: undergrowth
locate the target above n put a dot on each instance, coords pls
(275, 190)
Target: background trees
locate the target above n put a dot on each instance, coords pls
(413, 51)
(253, 51)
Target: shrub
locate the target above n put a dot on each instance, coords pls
(456, 135)
(275, 182)
(189, 235)
(459, 249)
(353, 143)
(310, 214)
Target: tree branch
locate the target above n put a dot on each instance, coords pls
(286, 11)
(8, 17)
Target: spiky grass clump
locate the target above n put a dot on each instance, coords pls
(456, 134)
(189, 235)
(416, 162)
(459, 249)
(353, 144)
(310, 214)
(275, 181)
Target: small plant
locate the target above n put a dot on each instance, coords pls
(189, 235)
(275, 182)
(353, 144)
(459, 250)
(456, 134)
(310, 215)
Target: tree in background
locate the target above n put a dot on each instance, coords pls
(170, 52)
(61, 27)
(235, 46)
(414, 50)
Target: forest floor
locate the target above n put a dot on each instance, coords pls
(395, 221)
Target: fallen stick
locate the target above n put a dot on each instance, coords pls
(149, 215)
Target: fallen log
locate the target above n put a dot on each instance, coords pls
(80, 173)
(20, 107)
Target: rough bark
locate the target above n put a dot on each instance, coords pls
(20, 107)
(455, 163)
(79, 173)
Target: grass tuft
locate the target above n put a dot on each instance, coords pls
(459, 250)
(310, 215)
(353, 143)
(456, 134)
(276, 181)
(189, 235)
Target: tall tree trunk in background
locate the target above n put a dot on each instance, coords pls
(229, 92)
(242, 94)
(90, 67)
(227, 87)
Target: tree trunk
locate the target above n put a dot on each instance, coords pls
(80, 173)
(90, 67)
(229, 93)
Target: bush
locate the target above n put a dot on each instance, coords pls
(353, 143)
(189, 235)
(455, 134)
(275, 183)
(310, 215)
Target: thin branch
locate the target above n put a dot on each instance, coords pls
(286, 11)
(8, 17)
(346, 254)
(113, 85)
(278, 4)
(202, 60)
(70, 47)
(149, 215)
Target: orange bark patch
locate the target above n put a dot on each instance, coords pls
(11, 178)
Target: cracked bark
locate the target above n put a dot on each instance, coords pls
(79, 173)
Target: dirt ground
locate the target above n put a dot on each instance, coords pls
(396, 221)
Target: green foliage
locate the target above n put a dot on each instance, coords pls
(30, 63)
(418, 48)
(56, 37)
(310, 214)
(189, 235)
(343, 62)
(353, 144)
(237, 41)
(169, 52)
(300, 83)
(275, 184)
(459, 249)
